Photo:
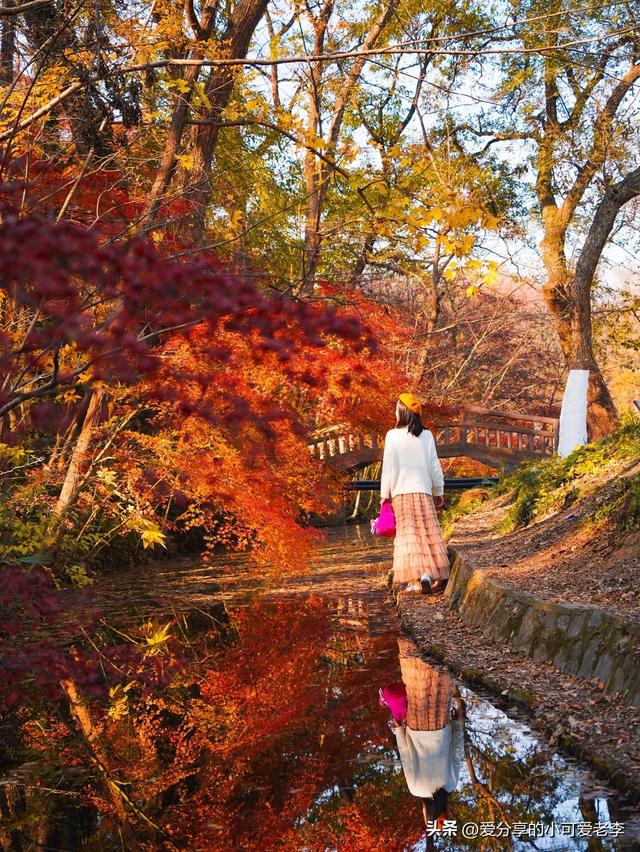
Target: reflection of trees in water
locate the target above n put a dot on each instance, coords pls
(505, 783)
(509, 782)
(235, 754)
(276, 736)
(503, 788)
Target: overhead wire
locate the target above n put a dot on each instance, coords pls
(399, 49)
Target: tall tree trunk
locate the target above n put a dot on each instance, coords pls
(7, 47)
(568, 297)
(244, 20)
(79, 454)
(312, 171)
(179, 117)
(167, 164)
(602, 413)
(556, 290)
(317, 176)
(432, 308)
(312, 234)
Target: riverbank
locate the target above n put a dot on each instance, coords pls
(542, 604)
(572, 713)
(567, 530)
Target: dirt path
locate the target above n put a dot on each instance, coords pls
(568, 556)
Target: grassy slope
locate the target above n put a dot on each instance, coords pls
(608, 471)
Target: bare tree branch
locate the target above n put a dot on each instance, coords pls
(597, 154)
(11, 11)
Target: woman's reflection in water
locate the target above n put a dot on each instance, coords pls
(428, 727)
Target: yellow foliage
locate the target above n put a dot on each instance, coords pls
(185, 161)
(119, 701)
(199, 97)
(156, 638)
(150, 533)
(490, 277)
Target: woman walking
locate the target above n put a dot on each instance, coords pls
(412, 479)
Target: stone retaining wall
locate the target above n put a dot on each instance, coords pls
(586, 641)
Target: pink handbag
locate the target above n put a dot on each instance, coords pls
(394, 696)
(385, 523)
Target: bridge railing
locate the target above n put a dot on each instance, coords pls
(340, 445)
(540, 439)
(524, 437)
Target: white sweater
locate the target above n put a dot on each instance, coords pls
(410, 465)
(430, 759)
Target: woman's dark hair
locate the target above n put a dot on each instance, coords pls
(436, 806)
(409, 419)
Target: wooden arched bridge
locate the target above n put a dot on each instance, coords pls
(494, 438)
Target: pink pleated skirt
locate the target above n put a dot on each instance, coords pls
(418, 546)
(430, 691)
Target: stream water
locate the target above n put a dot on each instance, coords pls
(310, 761)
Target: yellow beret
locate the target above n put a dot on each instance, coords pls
(412, 402)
